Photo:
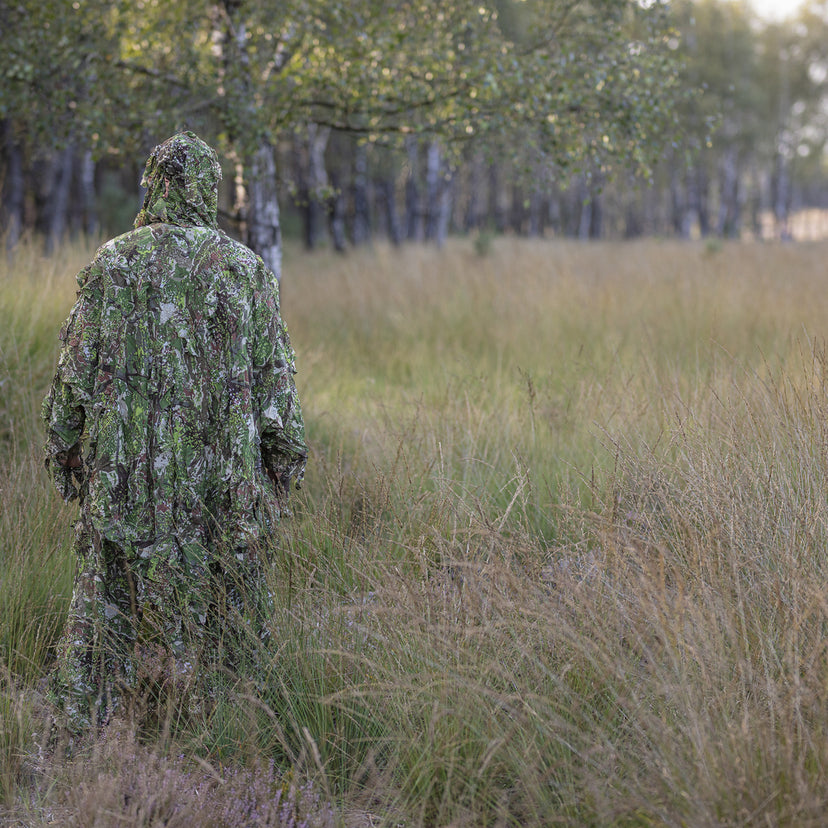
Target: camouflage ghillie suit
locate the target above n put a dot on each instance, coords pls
(174, 417)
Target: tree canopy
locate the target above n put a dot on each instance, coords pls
(572, 69)
(573, 78)
(727, 112)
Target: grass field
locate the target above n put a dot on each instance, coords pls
(560, 557)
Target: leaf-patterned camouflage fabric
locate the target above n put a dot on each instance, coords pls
(174, 416)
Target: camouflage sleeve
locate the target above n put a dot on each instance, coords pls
(63, 409)
(284, 452)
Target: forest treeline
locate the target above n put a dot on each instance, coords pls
(612, 120)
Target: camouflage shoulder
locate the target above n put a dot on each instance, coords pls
(105, 254)
(244, 256)
(114, 251)
(138, 236)
(237, 251)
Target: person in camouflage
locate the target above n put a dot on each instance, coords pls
(174, 418)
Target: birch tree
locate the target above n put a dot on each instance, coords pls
(573, 78)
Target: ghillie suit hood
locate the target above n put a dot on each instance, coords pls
(181, 177)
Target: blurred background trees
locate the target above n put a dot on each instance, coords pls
(411, 119)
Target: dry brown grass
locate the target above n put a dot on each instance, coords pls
(561, 556)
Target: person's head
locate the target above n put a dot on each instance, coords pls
(181, 177)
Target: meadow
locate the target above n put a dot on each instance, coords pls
(560, 557)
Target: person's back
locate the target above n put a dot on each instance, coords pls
(190, 358)
(179, 370)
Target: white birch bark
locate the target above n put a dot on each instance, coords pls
(263, 231)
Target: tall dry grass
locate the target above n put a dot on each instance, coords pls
(560, 557)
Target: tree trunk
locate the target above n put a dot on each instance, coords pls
(535, 213)
(585, 220)
(336, 211)
(317, 184)
(392, 216)
(361, 231)
(413, 208)
(752, 199)
(438, 195)
(497, 215)
(554, 214)
(652, 214)
(256, 203)
(433, 189)
(781, 196)
(691, 216)
(86, 190)
(596, 225)
(301, 195)
(703, 190)
(59, 198)
(633, 224)
(781, 178)
(517, 219)
(13, 195)
(444, 211)
(474, 206)
(677, 199)
(728, 222)
(315, 222)
(263, 232)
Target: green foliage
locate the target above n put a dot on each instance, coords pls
(584, 78)
(57, 59)
(759, 86)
